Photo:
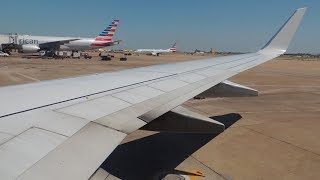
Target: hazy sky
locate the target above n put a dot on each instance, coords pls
(226, 25)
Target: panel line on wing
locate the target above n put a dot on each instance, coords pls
(243, 63)
(84, 96)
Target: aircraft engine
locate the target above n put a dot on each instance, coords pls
(154, 54)
(29, 48)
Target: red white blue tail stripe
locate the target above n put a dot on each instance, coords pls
(107, 34)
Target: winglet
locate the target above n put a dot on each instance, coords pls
(280, 41)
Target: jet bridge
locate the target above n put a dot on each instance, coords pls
(8, 42)
(3, 40)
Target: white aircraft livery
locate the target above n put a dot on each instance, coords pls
(66, 128)
(31, 44)
(156, 52)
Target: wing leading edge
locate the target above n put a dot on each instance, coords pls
(84, 122)
(55, 44)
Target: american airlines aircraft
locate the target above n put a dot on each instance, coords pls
(65, 128)
(156, 52)
(31, 44)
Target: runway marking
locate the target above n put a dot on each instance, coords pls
(28, 77)
(208, 167)
(282, 73)
(283, 141)
(197, 175)
(279, 85)
(285, 111)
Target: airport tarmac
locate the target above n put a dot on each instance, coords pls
(272, 136)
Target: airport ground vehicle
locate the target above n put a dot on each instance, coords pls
(105, 58)
(2, 54)
(156, 52)
(86, 56)
(123, 58)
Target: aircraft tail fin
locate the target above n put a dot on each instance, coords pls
(107, 34)
(280, 41)
(173, 47)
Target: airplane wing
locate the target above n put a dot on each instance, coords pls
(65, 129)
(112, 43)
(55, 44)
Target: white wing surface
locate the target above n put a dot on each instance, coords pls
(55, 44)
(64, 129)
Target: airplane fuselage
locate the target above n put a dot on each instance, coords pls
(77, 45)
(31, 44)
(156, 52)
(153, 51)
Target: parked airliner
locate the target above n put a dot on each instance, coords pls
(31, 44)
(156, 52)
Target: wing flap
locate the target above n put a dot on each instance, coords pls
(79, 156)
(44, 119)
(26, 149)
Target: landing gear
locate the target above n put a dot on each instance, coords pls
(75, 55)
(50, 54)
(8, 51)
